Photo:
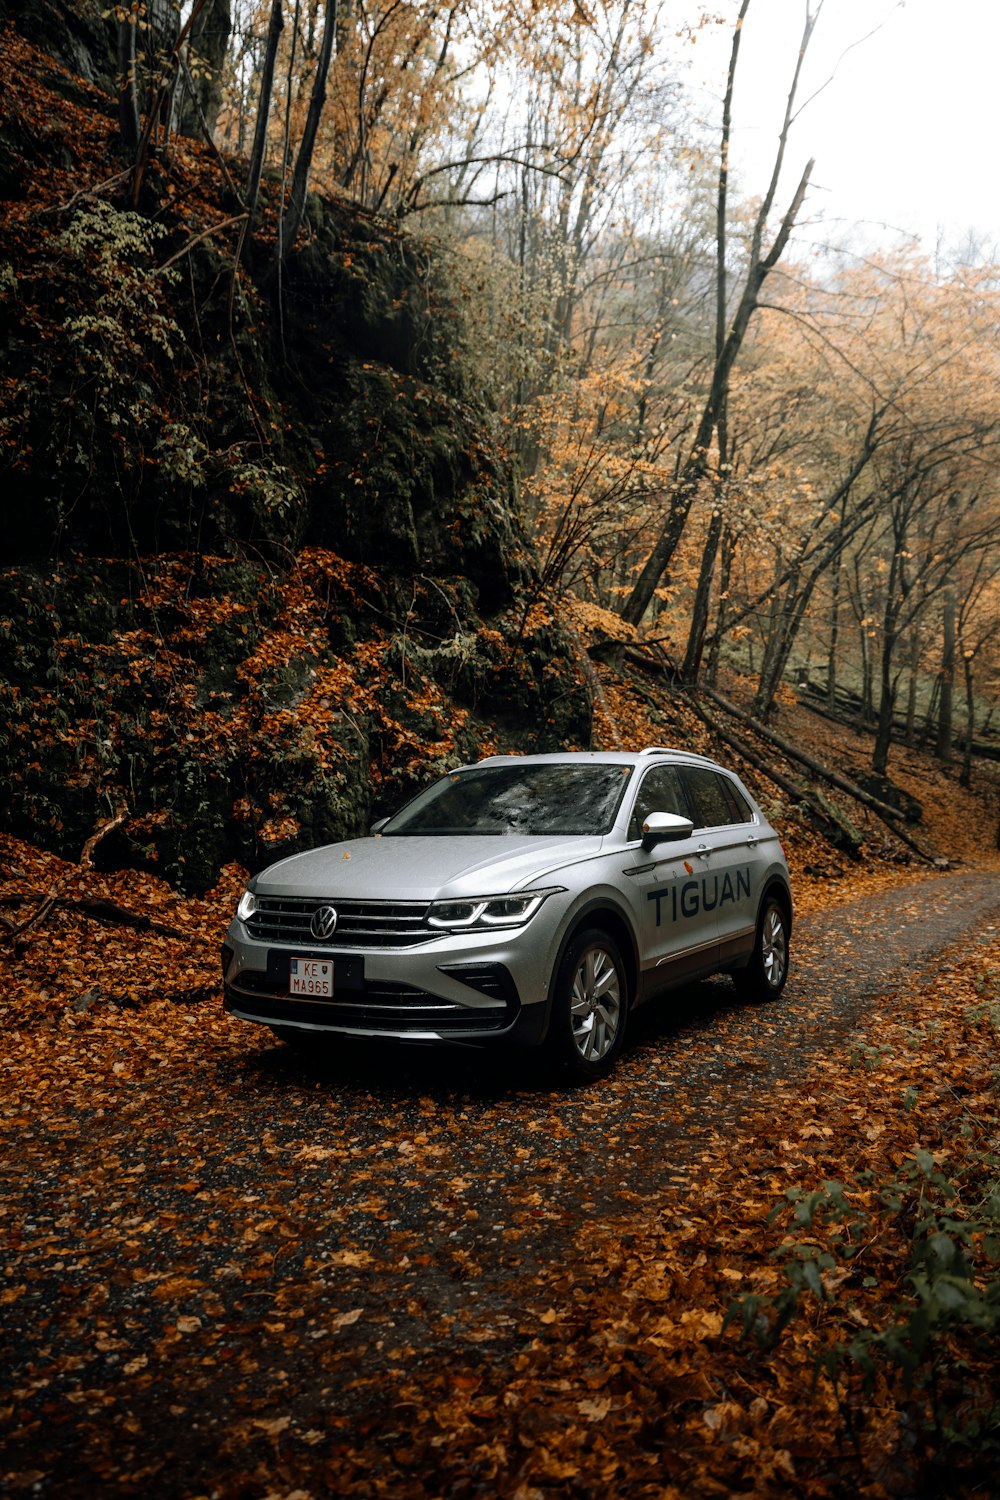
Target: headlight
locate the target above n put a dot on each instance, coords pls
(247, 906)
(480, 913)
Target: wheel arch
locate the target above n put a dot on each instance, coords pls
(605, 915)
(779, 890)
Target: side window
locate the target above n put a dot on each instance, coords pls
(708, 793)
(659, 791)
(741, 809)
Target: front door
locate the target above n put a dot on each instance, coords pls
(678, 933)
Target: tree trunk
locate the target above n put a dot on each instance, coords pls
(207, 43)
(128, 91)
(303, 162)
(681, 499)
(161, 33)
(765, 693)
(702, 598)
(886, 707)
(831, 668)
(864, 644)
(965, 779)
(786, 622)
(727, 347)
(929, 725)
(946, 704)
(257, 153)
(911, 694)
(703, 593)
(725, 570)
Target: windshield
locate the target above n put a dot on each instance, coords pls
(528, 799)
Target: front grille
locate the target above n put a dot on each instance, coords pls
(360, 924)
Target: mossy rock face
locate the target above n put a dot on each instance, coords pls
(225, 721)
(532, 685)
(407, 476)
(14, 165)
(77, 33)
(408, 483)
(312, 801)
(85, 729)
(265, 567)
(359, 287)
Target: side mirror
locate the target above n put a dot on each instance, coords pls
(665, 828)
(377, 827)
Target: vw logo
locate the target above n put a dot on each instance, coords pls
(324, 922)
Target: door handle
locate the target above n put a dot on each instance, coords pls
(753, 841)
(703, 851)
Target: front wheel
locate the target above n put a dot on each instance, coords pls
(589, 1006)
(764, 976)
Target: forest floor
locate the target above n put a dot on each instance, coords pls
(759, 1259)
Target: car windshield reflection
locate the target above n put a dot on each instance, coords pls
(529, 800)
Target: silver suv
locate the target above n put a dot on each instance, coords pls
(534, 898)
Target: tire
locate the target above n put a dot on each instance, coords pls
(763, 978)
(589, 1006)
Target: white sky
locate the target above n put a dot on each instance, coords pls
(905, 135)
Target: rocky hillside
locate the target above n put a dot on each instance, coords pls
(263, 567)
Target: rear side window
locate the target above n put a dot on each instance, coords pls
(659, 791)
(742, 811)
(715, 802)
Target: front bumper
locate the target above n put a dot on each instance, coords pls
(477, 990)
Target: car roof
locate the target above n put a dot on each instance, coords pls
(602, 757)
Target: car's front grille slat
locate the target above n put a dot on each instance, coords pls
(360, 924)
(393, 1009)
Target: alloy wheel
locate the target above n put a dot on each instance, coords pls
(595, 1004)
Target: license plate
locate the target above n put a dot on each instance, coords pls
(312, 977)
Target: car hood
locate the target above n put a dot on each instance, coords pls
(423, 868)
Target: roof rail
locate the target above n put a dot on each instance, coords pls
(676, 750)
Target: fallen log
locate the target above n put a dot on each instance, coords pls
(846, 835)
(97, 907)
(847, 709)
(890, 816)
(598, 694)
(883, 809)
(664, 663)
(14, 931)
